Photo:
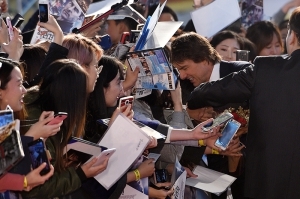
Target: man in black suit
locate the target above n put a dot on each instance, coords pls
(198, 62)
(271, 85)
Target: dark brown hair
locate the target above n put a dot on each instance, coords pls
(261, 34)
(295, 23)
(193, 47)
(64, 89)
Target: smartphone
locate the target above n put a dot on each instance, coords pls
(160, 176)
(38, 155)
(17, 20)
(228, 132)
(125, 101)
(106, 153)
(105, 42)
(242, 55)
(10, 28)
(60, 116)
(222, 118)
(43, 10)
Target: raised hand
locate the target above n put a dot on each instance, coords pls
(93, 30)
(14, 48)
(53, 26)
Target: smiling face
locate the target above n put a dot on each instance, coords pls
(113, 91)
(70, 12)
(14, 92)
(197, 73)
(227, 49)
(274, 48)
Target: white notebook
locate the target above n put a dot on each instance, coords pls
(130, 142)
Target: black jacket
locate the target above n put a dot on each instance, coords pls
(271, 85)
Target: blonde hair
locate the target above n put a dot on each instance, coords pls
(82, 48)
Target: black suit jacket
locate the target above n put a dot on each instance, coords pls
(194, 154)
(271, 85)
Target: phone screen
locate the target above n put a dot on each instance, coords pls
(43, 8)
(227, 134)
(38, 155)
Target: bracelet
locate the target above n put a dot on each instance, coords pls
(214, 151)
(137, 175)
(201, 143)
(25, 182)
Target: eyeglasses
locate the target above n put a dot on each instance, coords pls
(99, 69)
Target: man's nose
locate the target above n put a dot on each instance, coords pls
(182, 75)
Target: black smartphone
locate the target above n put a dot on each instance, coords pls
(17, 20)
(38, 155)
(43, 11)
(160, 175)
(242, 55)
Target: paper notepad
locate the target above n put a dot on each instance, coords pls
(130, 142)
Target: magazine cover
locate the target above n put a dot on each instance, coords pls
(11, 149)
(178, 180)
(137, 189)
(252, 11)
(69, 14)
(155, 70)
(6, 117)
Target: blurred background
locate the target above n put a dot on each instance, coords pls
(27, 7)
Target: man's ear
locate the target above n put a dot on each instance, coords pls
(292, 40)
(122, 27)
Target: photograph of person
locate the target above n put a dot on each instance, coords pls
(70, 16)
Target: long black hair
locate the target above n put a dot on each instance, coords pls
(97, 108)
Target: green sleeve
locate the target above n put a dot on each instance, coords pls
(61, 183)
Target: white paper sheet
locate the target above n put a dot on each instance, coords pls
(210, 180)
(210, 19)
(102, 7)
(130, 142)
(162, 34)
